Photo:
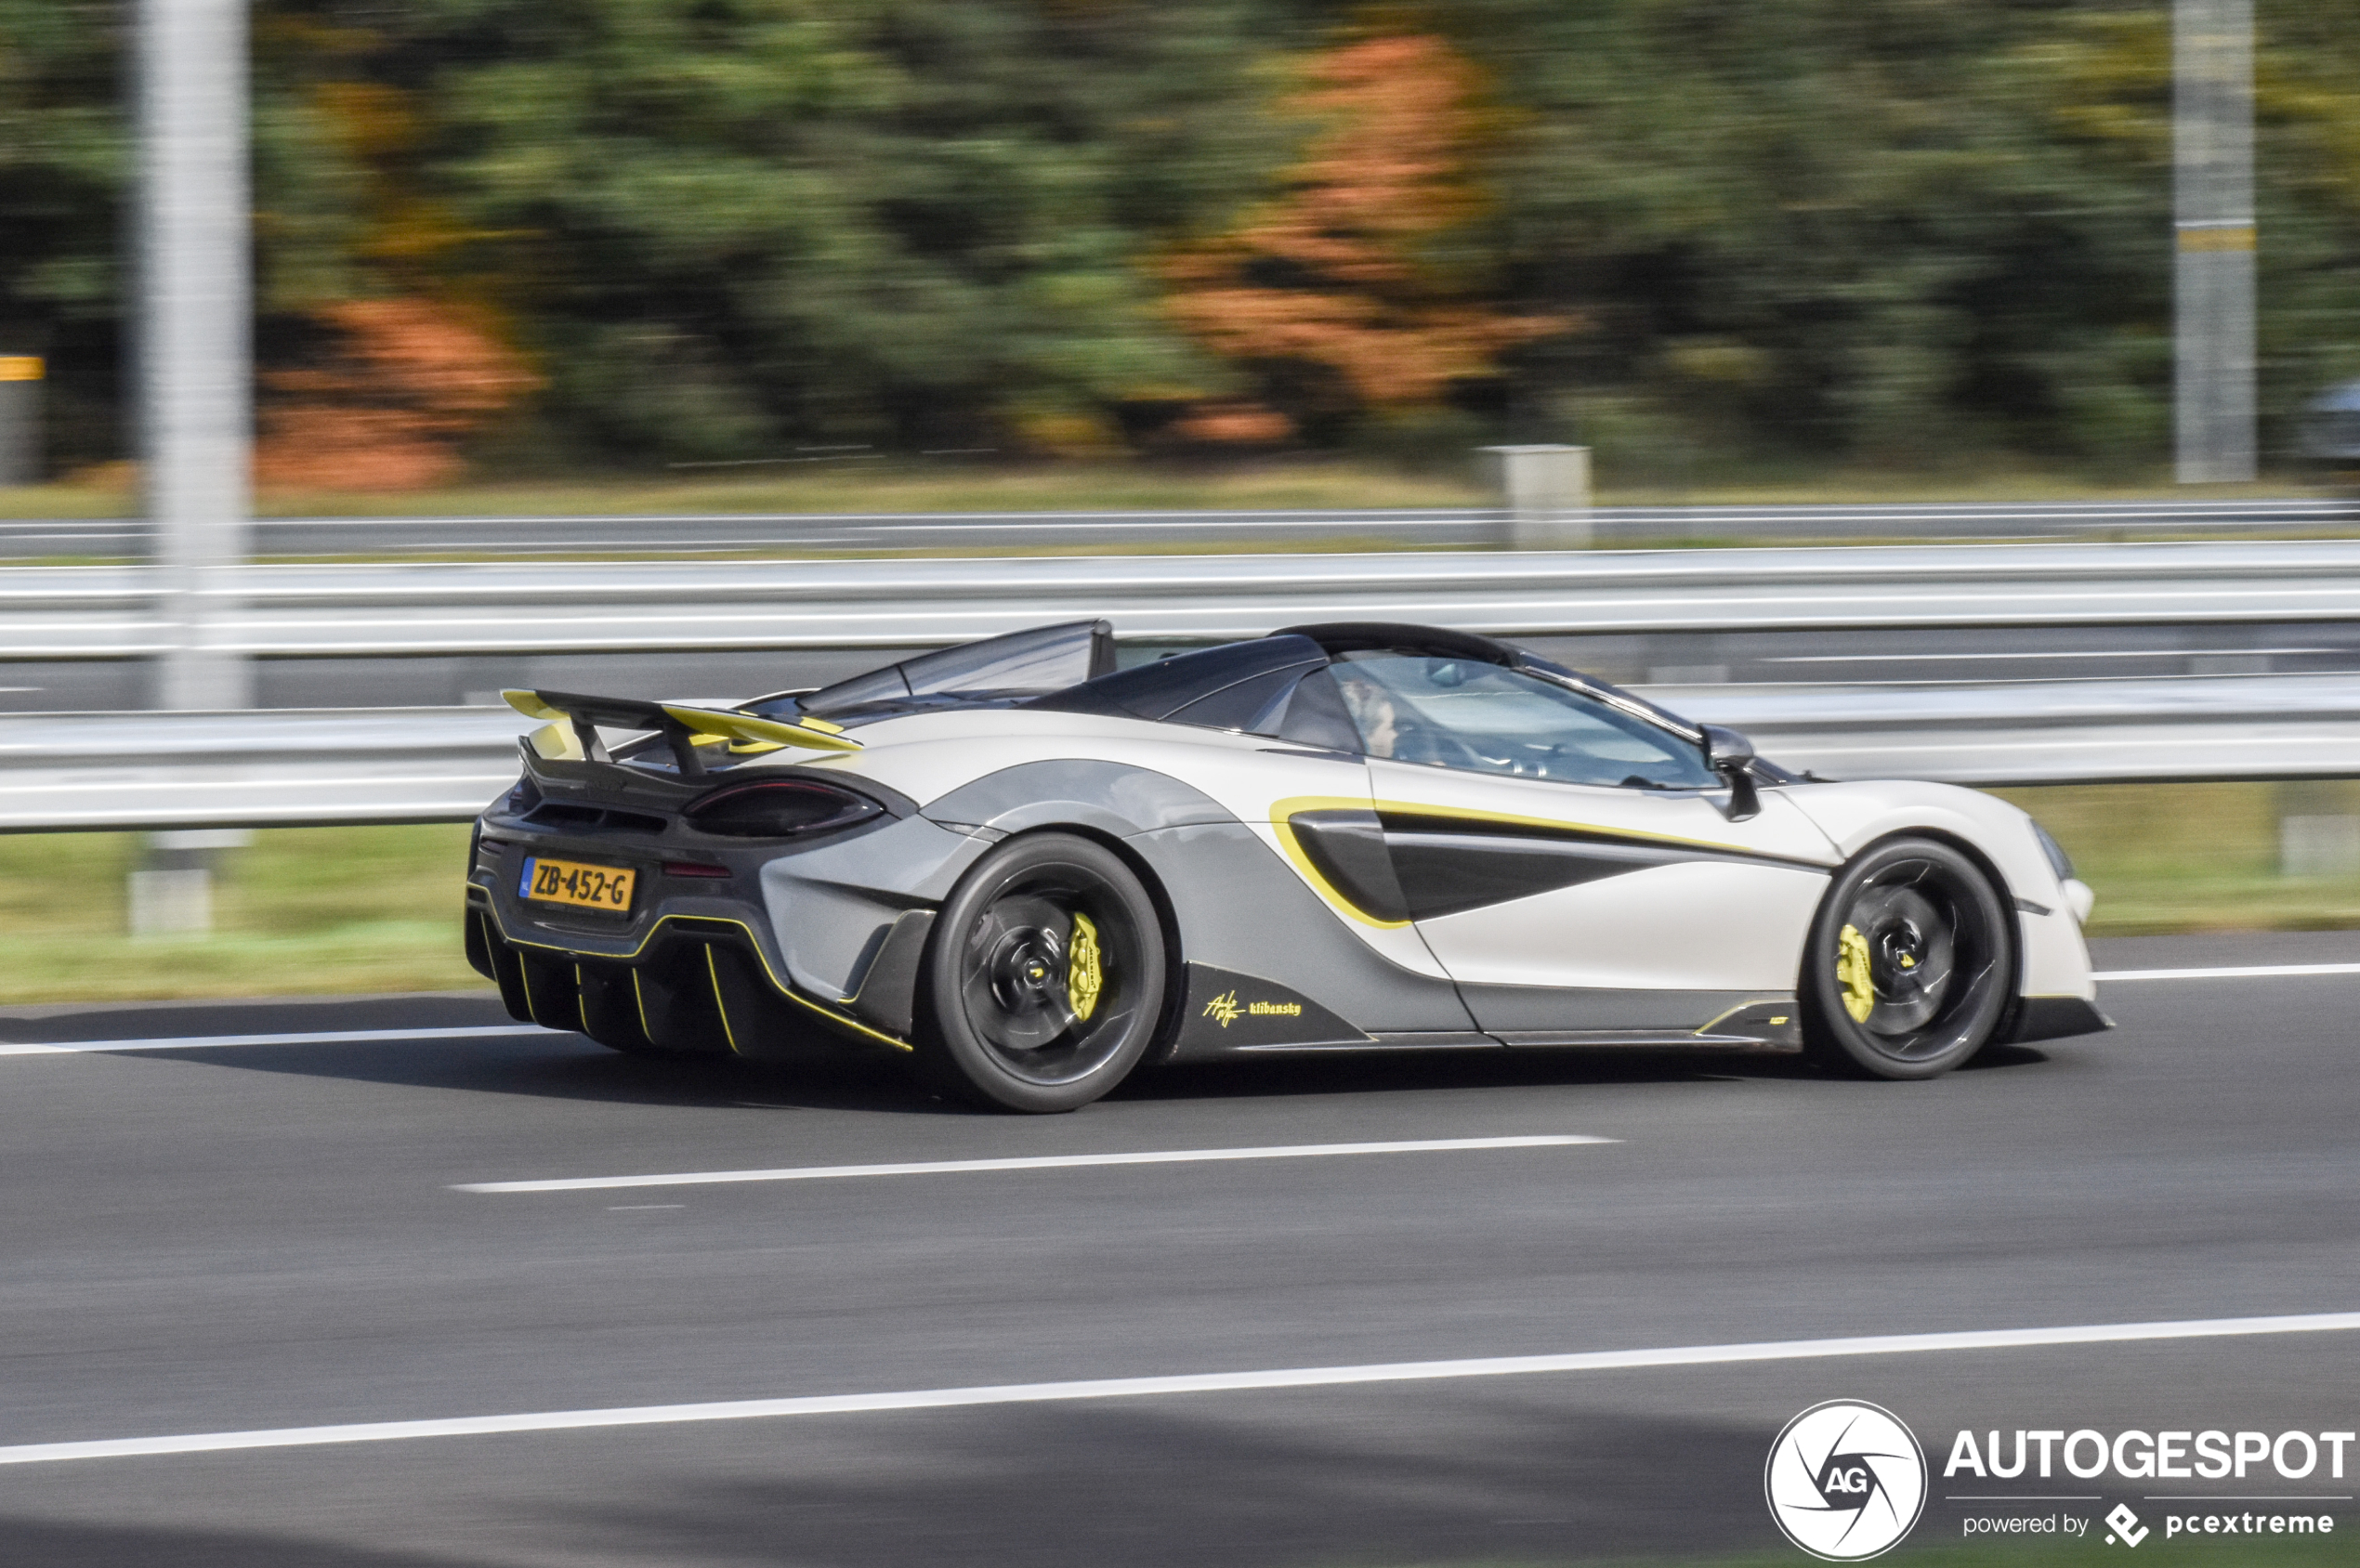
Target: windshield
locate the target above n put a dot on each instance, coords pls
(1463, 713)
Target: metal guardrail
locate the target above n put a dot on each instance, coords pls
(432, 764)
(682, 534)
(66, 613)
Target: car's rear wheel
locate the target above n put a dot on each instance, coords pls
(1909, 965)
(1045, 979)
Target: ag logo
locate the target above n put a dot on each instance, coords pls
(1845, 1481)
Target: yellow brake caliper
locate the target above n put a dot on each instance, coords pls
(1852, 973)
(1084, 979)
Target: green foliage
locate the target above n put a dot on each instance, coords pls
(1896, 231)
(62, 164)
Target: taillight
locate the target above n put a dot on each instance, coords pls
(790, 808)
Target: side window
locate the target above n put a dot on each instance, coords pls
(1463, 713)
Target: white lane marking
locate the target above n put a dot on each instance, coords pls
(1197, 1382)
(319, 1037)
(1025, 1162)
(2254, 972)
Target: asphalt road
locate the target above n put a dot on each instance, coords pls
(208, 1238)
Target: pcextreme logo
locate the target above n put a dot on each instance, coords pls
(1846, 1481)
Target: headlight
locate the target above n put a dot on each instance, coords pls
(790, 808)
(2059, 861)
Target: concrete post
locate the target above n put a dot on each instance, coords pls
(2212, 208)
(1545, 491)
(21, 443)
(196, 335)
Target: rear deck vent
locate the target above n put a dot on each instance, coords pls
(554, 814)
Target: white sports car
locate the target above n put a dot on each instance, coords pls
(1031, 871)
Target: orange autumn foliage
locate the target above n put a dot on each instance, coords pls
(407, 379)
(1343, 270)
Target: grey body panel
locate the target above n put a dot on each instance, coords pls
(1118, 798)
(1239, 906)
(831, 907)
(2057, 1018)
(1539, 1010)
(887, 997)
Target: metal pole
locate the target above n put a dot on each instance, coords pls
(195, 346)
(195, 337)
(2212, 203)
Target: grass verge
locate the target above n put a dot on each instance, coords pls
(347, 910)
(1144, 484)
(303, 910)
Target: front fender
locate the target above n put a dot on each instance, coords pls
(2055, 961)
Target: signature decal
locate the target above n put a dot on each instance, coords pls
(1224, 1010)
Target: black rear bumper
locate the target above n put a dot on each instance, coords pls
(698, 985)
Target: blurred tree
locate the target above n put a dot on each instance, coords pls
(380, 403)
(63, 165)
(725, 228)
(1363, 270)
(744, 225)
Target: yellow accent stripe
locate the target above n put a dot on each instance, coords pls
(712, 971)
(1283, 826)
(2226, 237)
(529, 703)
(1760, 1001)
(22, 367)
(784, 988)
(637, 994)
(1407, 809)
(1281, 813)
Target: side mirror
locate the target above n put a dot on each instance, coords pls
(1730, 755)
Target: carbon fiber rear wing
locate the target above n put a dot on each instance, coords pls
(574, 721)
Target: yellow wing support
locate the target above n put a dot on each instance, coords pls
(746, 730)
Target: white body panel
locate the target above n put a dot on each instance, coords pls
(1696, 926)
(1702, 926)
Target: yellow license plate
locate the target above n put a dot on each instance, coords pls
(571, 882)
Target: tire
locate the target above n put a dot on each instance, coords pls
(1043, 982)
(1910, 966)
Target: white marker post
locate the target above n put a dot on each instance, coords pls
(195, 343)
(2212, 205)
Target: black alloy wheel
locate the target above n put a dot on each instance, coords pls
(1044, 979)
(1910, 965)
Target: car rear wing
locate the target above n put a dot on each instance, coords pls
(574, 721)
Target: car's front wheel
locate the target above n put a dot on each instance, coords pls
(1044, 977)
(1909, 965)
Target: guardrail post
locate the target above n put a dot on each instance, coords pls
(196, 384)
(171, 891)
(1545, 491)
(2318, 834)
(2213, 219)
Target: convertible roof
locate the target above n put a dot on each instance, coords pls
(1359, 636)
